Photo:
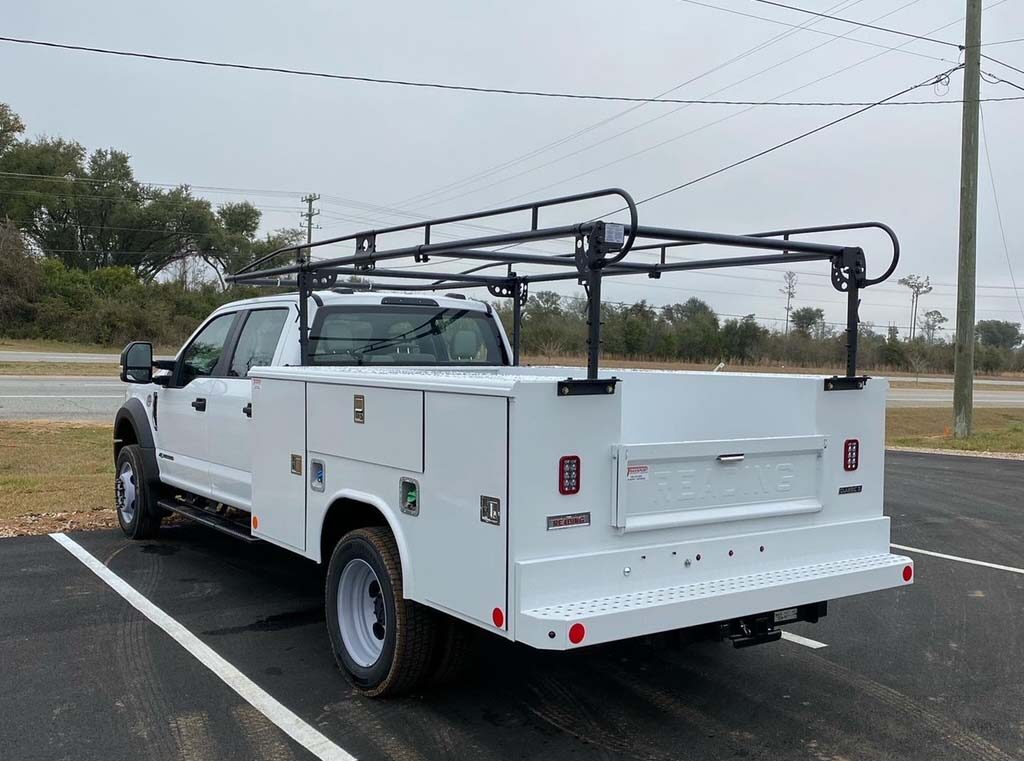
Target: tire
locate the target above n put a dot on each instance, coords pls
(383, 642)
(456, 650)
(134, 500)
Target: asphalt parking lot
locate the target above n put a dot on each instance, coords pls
(930, 671)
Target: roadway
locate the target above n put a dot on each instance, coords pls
(932, 670)
(81, 398)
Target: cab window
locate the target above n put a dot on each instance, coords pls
(257, 341)
(200, 358)
(375, 334)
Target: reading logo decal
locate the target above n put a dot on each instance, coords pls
(570, 520)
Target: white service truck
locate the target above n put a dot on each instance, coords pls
(443, 486)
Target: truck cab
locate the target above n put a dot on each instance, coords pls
(198, 407)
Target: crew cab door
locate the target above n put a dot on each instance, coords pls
(229, 405)
(182, 434)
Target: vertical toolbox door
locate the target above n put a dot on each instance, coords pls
(279, 450)
(462, 528)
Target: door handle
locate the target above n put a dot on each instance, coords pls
(247, 410)
(199, 405)
(738, 457)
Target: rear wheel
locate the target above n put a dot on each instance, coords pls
(137, 512)
(381, 640)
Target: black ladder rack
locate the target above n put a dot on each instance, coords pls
(598, 250)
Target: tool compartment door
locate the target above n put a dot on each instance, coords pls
(279, 462)
(461, 533)
(694, 483)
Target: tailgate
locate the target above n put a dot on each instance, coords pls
(690, 483)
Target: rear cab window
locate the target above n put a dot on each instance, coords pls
(393, 334)
(257, 340)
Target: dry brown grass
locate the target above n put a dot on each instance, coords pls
(62, 347)
(54, 476)
(1015, 387)
(996, 429)
(91, 369)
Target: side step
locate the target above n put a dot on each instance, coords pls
(214, 521)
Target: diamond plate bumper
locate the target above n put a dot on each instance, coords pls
(668, 608)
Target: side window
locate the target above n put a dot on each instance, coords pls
(257, 341)
(201, 356)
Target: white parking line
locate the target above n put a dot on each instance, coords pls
(305, 735)
(798, 640)
(982, 563)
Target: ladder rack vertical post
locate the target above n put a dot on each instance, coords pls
(593, 321)
(302, 278)
(517, 320)
(852, 325)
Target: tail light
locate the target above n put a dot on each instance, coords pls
(851, 454)
(569, 475)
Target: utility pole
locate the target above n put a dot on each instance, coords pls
(966, 283)
(918, 286)
(789, 290)
(308, 215)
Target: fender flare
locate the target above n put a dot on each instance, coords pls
(134, 413)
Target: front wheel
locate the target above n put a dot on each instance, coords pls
(381, 640)
(137, 512)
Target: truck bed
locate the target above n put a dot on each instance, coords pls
(702, 497)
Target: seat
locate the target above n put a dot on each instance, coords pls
(465, 345)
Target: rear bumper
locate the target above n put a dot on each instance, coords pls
(615, 617)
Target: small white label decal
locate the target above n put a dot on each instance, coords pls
(256, 383)
(638, 472)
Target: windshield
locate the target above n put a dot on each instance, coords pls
(379, 334)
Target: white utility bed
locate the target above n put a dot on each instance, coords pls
(702, 497)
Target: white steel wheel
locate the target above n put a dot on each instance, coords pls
(362, 612)
(137, 514)
(126, 495)
(384, 643)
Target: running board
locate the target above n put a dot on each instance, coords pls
(212, 520)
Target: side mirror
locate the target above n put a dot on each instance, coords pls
(137, 362)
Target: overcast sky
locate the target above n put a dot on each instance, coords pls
(387, 146)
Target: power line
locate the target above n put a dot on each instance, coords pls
(1002, 63)
(92, 196)
(720, 120)
(817, 31)
(933, 80)
(992, 79)
(1001, 42)
(375, 80)
(472, 178)
(999, 214)
(673, 111)
(923, 38)
(114, 181)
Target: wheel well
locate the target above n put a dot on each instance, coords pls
(124, 434)
(345, 515)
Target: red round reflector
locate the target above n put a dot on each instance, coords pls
(908, 572)
(498, 616)
(576, 633)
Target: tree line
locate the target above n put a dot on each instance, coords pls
(90, 254)
(692, 332)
